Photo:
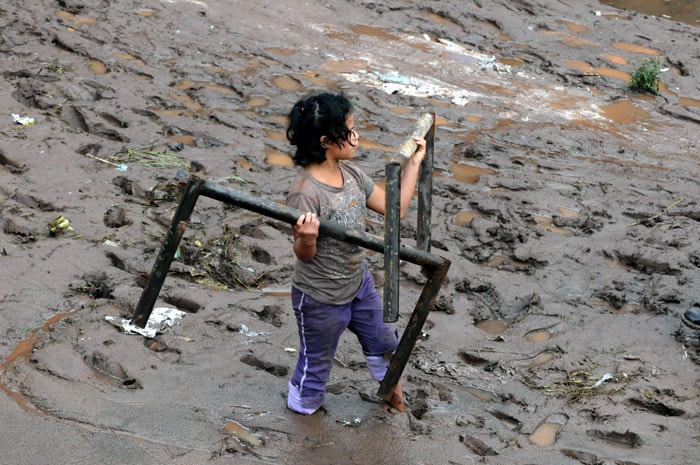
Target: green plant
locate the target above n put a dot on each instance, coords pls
(646, 77)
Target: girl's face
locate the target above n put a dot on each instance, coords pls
(347, 150)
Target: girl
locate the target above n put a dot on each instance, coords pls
(332, 289)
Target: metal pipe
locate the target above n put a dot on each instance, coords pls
(392, 227)
(328, 228)
(162, 264)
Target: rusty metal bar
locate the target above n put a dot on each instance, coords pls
(392, 227)
(162, 264)
(274, 210)
(413, 329)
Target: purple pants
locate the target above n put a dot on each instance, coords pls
(320, 327)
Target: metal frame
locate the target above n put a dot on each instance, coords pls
(434, 267)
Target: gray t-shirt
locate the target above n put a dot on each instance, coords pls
(335, 273)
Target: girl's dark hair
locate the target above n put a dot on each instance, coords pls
(315, 116)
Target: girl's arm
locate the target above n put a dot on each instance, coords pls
(305, 233)
(409, 178)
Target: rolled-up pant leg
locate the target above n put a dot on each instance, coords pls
(377, 338)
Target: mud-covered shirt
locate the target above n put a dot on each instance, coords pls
(335, 273)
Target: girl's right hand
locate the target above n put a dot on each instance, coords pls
(305, 233)
(306, 227)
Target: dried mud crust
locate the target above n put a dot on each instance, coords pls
(572, 234)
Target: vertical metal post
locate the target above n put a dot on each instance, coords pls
(167, 251)
(392, 226)
(425, 191)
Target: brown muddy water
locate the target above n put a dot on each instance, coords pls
(687, 11)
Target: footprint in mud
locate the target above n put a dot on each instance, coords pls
(628, 439)
(656, 407)
(277, 370)
(548, 431)
(477, 446)
(110, 372)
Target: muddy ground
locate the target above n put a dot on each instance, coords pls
(567, 205)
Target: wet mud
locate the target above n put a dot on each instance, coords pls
(567, 205)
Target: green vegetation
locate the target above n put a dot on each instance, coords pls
(645, 78)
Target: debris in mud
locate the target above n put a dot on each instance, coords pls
(23, 120)
(578, 385)
(59, 226)
(115, 217)
(165, 160)
(160, 319)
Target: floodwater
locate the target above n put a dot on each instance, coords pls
(687, 11)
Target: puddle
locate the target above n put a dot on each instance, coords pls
(288, 83)
(78, 21)
(493, 326)
(188, 102)
(607, 72)
(687, 11)
(569, 40)
(324, 83)
(512, 62)
(275, 135)
(573, 27)
(189, 141)
(618, 60)
(636, 49)
(469, 174)
(547, 223)
(370, 145)
(24, 350)
(375, 32)
(258, 102)
(241, 433)
(129, 58)
(624, 112)
(344, 66)
(441, 20)
(145, 12)
(276, 158)
(482, 394)
(466, 216)
(689, 102)
(617, 265)
(538, 335)
(244, 163)
(546, 434)
(280, 51)
(98, 67)
(541, 359)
